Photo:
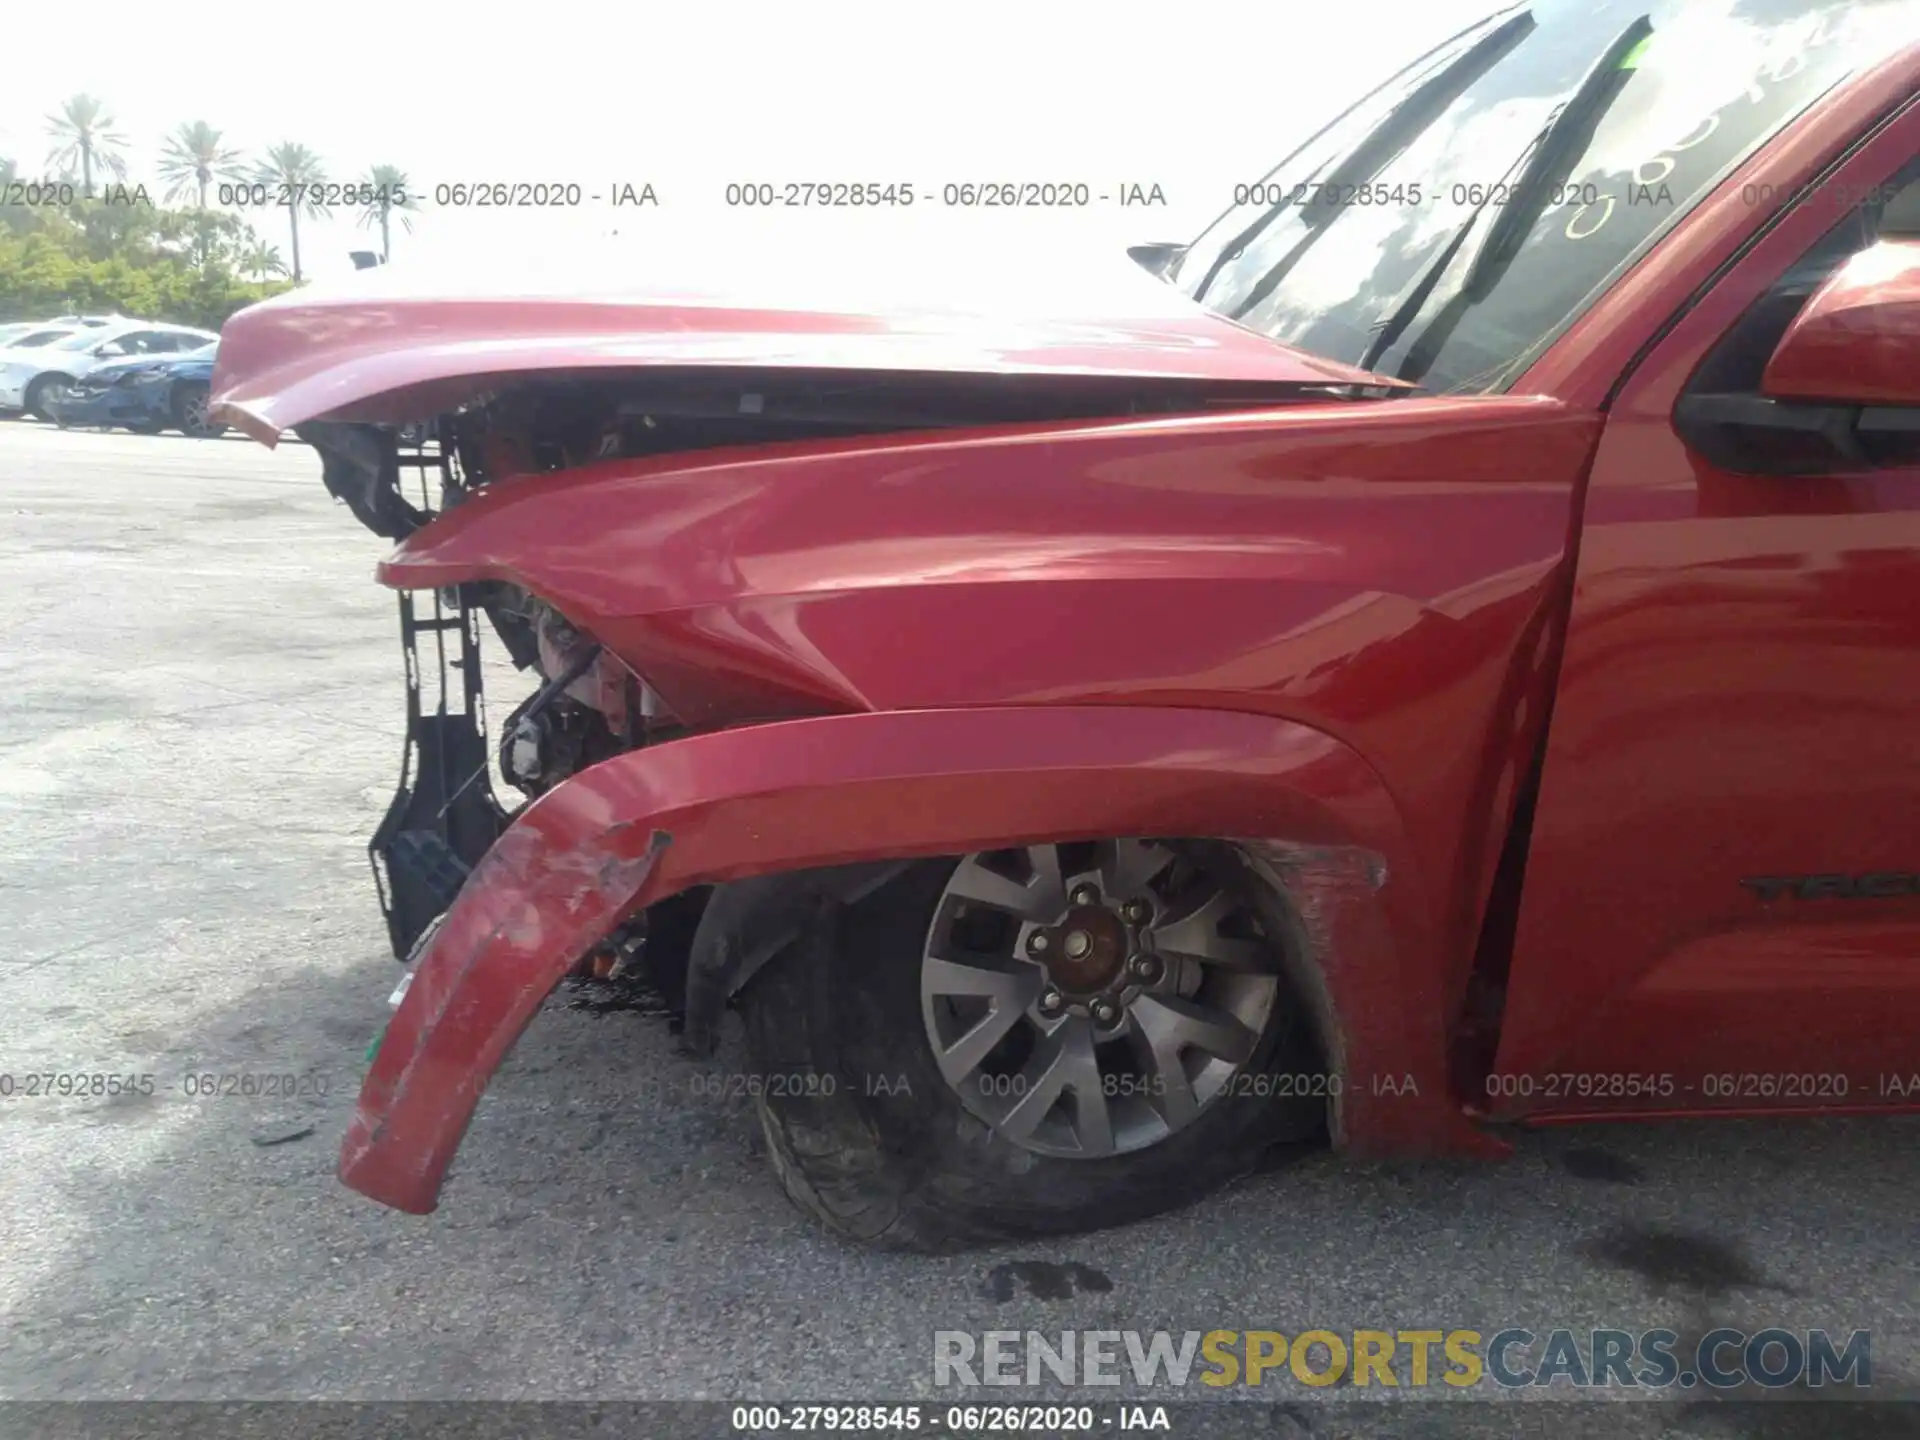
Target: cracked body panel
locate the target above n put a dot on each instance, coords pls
(842, 789)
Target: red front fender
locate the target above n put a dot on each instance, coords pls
(815, 792)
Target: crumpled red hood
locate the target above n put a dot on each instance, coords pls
(384, 346)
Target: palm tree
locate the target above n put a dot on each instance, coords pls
(391, 193)
(13, 218)
(299, 171)
(260, 261)
(85, 132)
(193, 158)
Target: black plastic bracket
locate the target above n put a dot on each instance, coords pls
(444, 815)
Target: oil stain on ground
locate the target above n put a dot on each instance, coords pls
(1592, 1163)
(1678, 1260)
(615, 997)
(1044, 1280)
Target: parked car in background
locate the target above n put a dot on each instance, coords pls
(144, 393)
(31, 334)
(30, 377)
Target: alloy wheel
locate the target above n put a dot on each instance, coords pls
(1091, 999)
(193, 413)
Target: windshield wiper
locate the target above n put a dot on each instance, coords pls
(1545, 166)
(1562, 143)
(1397, 129)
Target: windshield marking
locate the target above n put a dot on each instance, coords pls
(1716, 81)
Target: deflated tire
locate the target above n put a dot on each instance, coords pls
(1032, 1041)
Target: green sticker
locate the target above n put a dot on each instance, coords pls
(1631, 60)
(374, 1048)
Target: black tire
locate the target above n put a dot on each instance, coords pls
(905, 1165)
(190, 411)
(35, 400)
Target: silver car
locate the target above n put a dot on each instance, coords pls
(27, 334)
(30, 376)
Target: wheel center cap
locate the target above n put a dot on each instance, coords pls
(1092, 947)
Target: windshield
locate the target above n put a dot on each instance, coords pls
(78, 340)
(1362, 236)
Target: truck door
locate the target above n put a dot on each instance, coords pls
(1721, 906)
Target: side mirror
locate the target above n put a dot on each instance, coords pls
(1857, 340)
(1155, 258)
(1841, 390)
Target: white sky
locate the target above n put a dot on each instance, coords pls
(1193, 96)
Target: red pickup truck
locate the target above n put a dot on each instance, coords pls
(1440, 649)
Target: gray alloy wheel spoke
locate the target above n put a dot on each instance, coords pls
(1169, 1024)
(1196, 936)
(1041, 898)
(1127, 867)
(1168, 1091)
(1064, 1061)
(1008, 992)
(1190, 1024)
(1014, 981)
(1173, 1023)
(1048, 884)
(1092, 1120)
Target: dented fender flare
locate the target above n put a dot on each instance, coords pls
(846, 790)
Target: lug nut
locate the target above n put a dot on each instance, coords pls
(1037, 942)
(1145, 967)
(1052, 1002)
(1085, 895)
(1136, 912)
(1104, 1011)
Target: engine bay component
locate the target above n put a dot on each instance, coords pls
(540, 745)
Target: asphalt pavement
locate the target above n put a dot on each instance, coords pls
(200, 701)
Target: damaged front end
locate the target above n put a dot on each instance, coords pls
(446, 812)
(587, 705)
(787, 631)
